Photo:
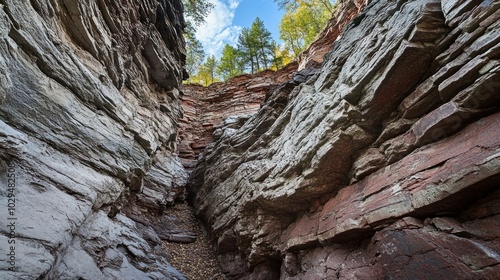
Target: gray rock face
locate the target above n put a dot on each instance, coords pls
(89, 103)
(331, 178)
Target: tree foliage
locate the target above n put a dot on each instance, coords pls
(264, 42)
(303, 20)
(246, 48)
(255, 51)
(231, 63)
(256, 46)
(294, 4)
(196, 11)
(280, 57)
(206, 74)
(195, 55)
(211, 66)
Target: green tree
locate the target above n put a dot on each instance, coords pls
(247, 49)
(263, 42)
(196, 11)
(206, 73)
(211, 66)
(255, 46)
(290, 35)
(293, 4)
(230, 63)
(202, 76)
(280, 56)
(195, 55)
(302, 21)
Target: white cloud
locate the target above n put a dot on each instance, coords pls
(233, 4)
(218, 29)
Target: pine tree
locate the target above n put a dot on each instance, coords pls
(255, 46)
(263, 42)
(247, 49)
(211, 65)
(230, 63)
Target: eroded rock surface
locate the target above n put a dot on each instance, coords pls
(208, 109)
(89, 103)
(383, 166)
(344, 12)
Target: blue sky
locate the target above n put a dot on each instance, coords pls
(228, 17)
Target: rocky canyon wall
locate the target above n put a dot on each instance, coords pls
(89, 103)
(384, 165)
(208, 109)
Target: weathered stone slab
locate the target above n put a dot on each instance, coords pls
(413, 184)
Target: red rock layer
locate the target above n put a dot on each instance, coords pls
(346, 10)
(206, 108)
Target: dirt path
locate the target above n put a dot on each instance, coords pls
(195, 260)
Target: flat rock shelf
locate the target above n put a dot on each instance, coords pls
(195, 260)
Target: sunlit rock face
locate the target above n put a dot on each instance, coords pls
(384, 165)
(89, 103)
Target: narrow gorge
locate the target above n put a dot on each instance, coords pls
(375, 156)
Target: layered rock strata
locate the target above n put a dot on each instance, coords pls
(344, 12)
(383, 166)
(89, 102)
(208, 109)
(225, 105)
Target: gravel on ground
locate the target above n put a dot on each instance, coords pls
(196, 260)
